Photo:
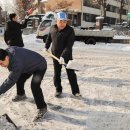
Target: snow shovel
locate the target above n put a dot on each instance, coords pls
(9, 120)
(71, 64)
(4, 114)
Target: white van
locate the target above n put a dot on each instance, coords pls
(44, 27)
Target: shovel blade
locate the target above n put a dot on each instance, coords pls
(72, 64)
(9, 120)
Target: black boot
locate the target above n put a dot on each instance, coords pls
(41, 114)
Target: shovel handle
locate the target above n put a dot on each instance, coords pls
(49, 53)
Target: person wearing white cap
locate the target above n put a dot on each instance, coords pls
(62, 38)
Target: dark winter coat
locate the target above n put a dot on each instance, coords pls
(13, 33)
(62, 41)
(21, 61)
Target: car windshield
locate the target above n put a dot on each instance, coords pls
(45, 23)
(36, 16)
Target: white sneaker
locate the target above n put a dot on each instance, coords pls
(77, 95)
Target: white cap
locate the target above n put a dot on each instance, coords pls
(61, 16)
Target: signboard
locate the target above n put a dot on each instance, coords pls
(128, 15)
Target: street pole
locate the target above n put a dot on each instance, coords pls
(39, 6)
(81, 12)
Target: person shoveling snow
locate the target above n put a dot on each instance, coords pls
(62, 38)
(22, 64)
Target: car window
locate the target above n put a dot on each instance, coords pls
(50, 16)
(46, 23)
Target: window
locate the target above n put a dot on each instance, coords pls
(124, 12)
(86, 17)
(86, 3)
(89, 3)
(111, 20)
(89, 17)
(112, 8)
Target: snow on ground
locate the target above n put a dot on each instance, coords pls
(104, 84)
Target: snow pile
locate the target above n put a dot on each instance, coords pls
(125, 37)
(5, 125)
(127, 48)
(103, 46)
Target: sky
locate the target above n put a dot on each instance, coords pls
(7, 5)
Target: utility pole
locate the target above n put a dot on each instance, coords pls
(122, 3)
(39, 6)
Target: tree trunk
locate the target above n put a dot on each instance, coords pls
(39, 7)
(121, 11)
(103, 10)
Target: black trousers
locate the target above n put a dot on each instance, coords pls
(71, 76)
(35, 87)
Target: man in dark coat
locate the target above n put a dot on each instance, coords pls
(62, 38)
(13, 32)
(22, 64)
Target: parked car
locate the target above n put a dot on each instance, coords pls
(35, 19)
(122, 25)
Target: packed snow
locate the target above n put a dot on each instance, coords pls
(104, 83)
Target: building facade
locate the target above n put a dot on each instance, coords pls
(83, 12)
(112, 14)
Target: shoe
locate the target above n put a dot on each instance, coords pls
(18, 98)
(77, 95)
(41, 114)
(58, 94)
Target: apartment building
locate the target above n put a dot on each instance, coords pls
(83, 13)
(112, 14)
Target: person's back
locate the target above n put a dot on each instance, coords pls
(22, 64)
(13, 33)
(30, 60)
(62, 37)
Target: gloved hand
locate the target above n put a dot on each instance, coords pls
(8, 43)
(61, 61)
(45, 49)
(26, 17)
